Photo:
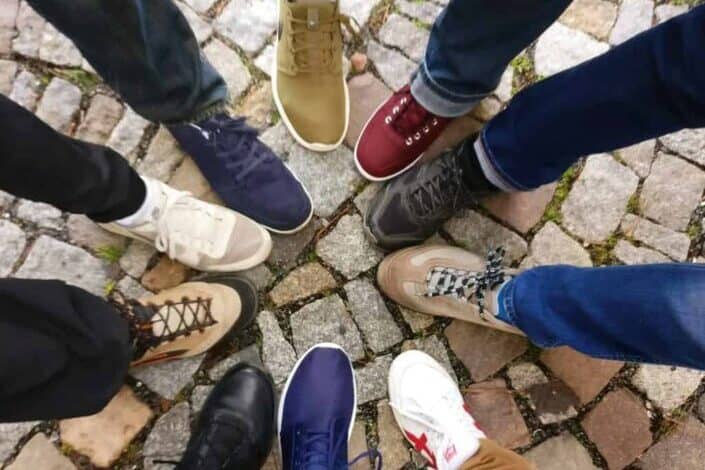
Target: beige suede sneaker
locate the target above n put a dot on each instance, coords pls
(308, 82)
(189, 319)
(198, 234)
(447, 281)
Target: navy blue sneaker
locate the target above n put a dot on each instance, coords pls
(317, 411)
(245, 173)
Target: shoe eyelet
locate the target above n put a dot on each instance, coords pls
(409, 141)
(395, 110)
(417, 136)
(388, 120)
(434, 122)
(426, 130)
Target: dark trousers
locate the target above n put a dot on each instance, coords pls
(63, 351)
(145, 50)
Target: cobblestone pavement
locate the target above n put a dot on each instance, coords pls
(560, 408)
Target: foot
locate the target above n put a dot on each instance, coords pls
(203, 236)
(189, 319)
(448, 282)
(307, 81)
(431, 412)
(317, 410)
(414, 206)
(396, 137)
(236, 425)
(245, 173)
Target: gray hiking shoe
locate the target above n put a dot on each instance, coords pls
(412, 207)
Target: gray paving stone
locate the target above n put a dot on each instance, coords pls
(25, 90)
(200, 6)
(5, 200)
(40, 214)
(416, 321)
(136, 258)
(199, 396)
(168, 438)
(688, 143)
(347, 249)
(552, 246)
(563, 452)
(8, 15)
(30, 27)
(634, 17)
(358, 9)
(639, 157)
(479, 234)
(168, 378)
(304, 281)
(667, 241)
(326, 321)
(279, 140)
(201, 28)
(363, 200)
(126, 135)
(260, 276)
(277, 353)
(12, 241)
(391, 441)
(57, 49)
(330, 178)
(504, 89)
(230, 66)
(630, 254)
(84, 232)
(681, 448)
(248, 23)
(372, 316)
(525, 375)
(59, 104)
(667, 11)
(668, 203)
(372, 380)
(265, 60)
(595, 17)
(10, 434)
(561, 48)
(287, 248)
(599, 198)
(40, 453)
(432, 346)
(52, 259)
(552, 401)
(405, 35)
(163, 156)
(101, 118)
(393, 67)
(249, 355)
(668, 387)
(131, 288)
(8, 70)
(421, 10)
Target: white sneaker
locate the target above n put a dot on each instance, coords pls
(203, 236)
(431, 412)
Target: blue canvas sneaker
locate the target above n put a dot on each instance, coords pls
(317, 411)
(245, 173)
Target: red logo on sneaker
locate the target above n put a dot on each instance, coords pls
(450, 453)
(421, 445)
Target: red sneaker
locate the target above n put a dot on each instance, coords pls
(396, 137)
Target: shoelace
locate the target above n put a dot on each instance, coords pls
(410, 120)
(142, 320)
(317, 453)
(442, 194)
(465, 285)
(234, 137)
(302, 53)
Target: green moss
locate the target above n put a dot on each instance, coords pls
(522, 64)
(421, 24)
(110, 253)
(553, 210)
(694, 230)
(79, 77)
(109, 287)
(633, 205)
(602, 254)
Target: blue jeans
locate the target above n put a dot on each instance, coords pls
(471, 45)
(651, 313)
(649, 86)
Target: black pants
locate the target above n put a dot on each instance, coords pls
(63, 351)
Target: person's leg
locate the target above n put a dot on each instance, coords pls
(492, 456)
(470, 46)
(63, 351)
(650, 313)
(649, 86)
(146, 51)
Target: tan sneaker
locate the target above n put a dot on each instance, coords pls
(447, 281)
(308, 82)
(203, 236)
(189, 319)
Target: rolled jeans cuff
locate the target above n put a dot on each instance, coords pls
(491, 169)
(438, 100)
(210, 111)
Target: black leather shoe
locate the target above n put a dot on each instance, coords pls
(236, 426)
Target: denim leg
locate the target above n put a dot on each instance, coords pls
(471, 45)
(649, 313)
(146, 51)
(649, 86)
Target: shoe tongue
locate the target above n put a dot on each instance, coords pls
(313, 11)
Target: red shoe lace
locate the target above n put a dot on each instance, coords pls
(411, 120)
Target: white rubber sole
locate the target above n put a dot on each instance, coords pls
(357, 160)
(280, 411)
(313, 146)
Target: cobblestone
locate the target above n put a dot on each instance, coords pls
(168, 438)
(667, 241)
(668, 387)
(667, 11)
(58, 49)
(136, 258)
(13, 242)
(639, 157)
(634, 17)
(101, 118)
(84, 232)
(8, 70)
(248, 355)
(230, 66)
(372, 380)
(432, 346)
(8, 15)
(391, 441)
(248, 23)
(40, 453)
(347, 249)
(358, 9)
(126, 135)
(201, 28)
(59, 104)
(303, 282)
(168, 378)
(25, 90)
(372, 316)
(562, 452)
(561, 48)
(552, 246)
(595, 17)
(405, 35)
(423, 11)
(30, 27)
(10, 434)
(681, 449)
(479, 234)
(277, 353)
(393, 67)
(163, 156)
(630, 254)
(688, 143)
